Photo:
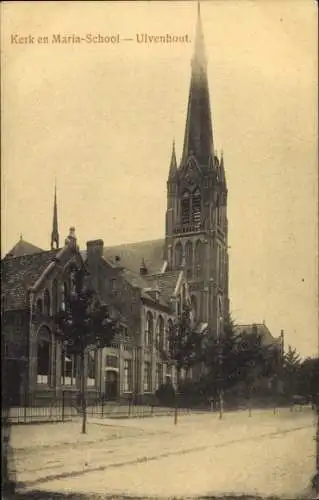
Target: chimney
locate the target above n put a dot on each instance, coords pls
(143, 268)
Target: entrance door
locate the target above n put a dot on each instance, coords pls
(111, 385)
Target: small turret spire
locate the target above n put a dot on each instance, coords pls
(55, 231)
(222, 169)
(173, 164)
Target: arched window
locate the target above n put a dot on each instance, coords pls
(196, 208)
(194, 307)
(189, 259)
(160, 332)
(199, 259)
(149, 329)
(186, 207)
(39, 306)
(169, 333)
(178, 254)
(46, 302)
(55, 296)
(64, 295)
(43, 355)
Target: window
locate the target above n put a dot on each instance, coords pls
(91, 371)
(194, 307)
(185, 207)
(196, 209)
(147, 376)
(46, 302)
(149, 329)
(55, 296)
(43, 356)
(39, 307)
(64, 293)
(169, 332)
(189, 259)
(160, 332)
(159, 375)
(68, 368)
(111, 361)
(178, 254)
(199, 259)
(128, 383)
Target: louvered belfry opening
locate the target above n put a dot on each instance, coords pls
(186, 207)
(196, 209)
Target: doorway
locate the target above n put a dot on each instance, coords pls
(111, 377)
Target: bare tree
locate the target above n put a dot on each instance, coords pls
(84, 323)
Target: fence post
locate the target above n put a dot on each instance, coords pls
(63, 406)
(25, 407)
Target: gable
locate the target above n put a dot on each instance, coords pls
(23, 247)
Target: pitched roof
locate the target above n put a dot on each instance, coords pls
(262, 330)
(131, 255)
(23, 247)
(138, 281)
(19, 273)
(166, 282)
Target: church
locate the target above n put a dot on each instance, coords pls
(146, 283)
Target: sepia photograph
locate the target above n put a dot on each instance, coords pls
(159, 250)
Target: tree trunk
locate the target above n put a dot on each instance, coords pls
(249, 401)
(83, 395)
(221, 404)
(177, 395)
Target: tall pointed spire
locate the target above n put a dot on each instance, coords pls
(198, 138)
(173, 164)
(55, 231)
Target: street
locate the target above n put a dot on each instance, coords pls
(265, 454)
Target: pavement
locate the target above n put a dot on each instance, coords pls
(262, 455)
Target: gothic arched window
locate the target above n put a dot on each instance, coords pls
(194, 307)
(64, 295)
(39, 306)
(160, 332)
(55, 296)
(43, 355)
(196, 208)
(189, 259)
(178, 254)
(186, 208)
(170, 327)
(149, 329)
(46, 302)
(199, 259)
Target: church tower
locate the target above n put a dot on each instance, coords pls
(55, 231)
(196, 216)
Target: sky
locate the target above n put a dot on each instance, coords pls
(101, 118)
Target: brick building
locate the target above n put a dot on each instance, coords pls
(144, 283)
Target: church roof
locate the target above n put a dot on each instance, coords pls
(166, 282)
(131, 255)
(262, 330)
(19, 273)
(23, 247)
